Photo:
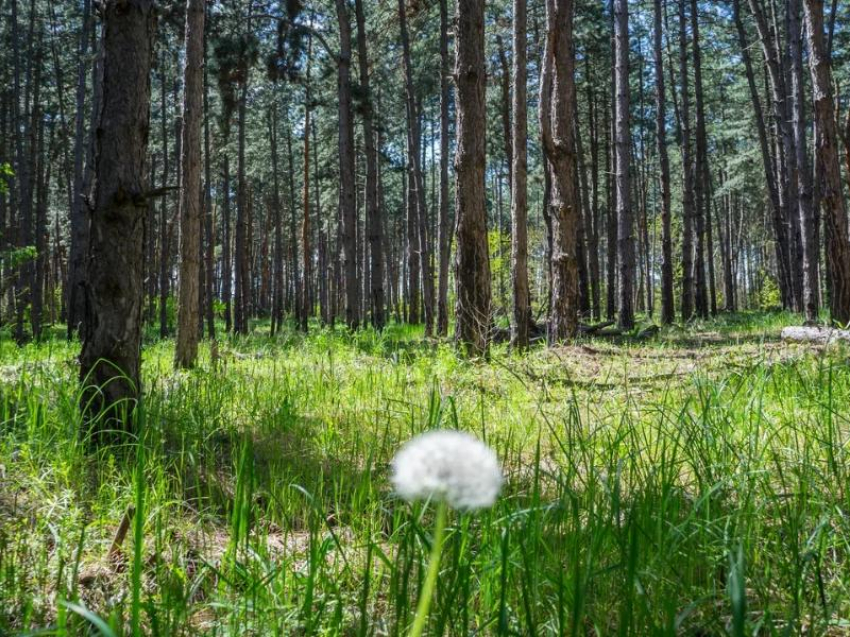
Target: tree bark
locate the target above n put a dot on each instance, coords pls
(625, 224)
(242, 246)
(374, 226)
(305, 309)
(347, 205)
(418, 212)
(278, 294)
(164, 235)
(785, 157)
(226, 257)
(110, 362)
(472, 262)
(805, 198)
(594, 221)
(188, 310)
(559, 140)
(668, 310)
(444, 232)
(688, 296)
(79, 222)
(521, 316)
(699, 175)
(209, 255)
(826, 140)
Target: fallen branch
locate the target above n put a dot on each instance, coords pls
(585, 328)
(819, 335)
(115, 556)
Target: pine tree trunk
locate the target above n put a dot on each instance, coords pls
(668, 310)
(347, 203)
(593, 234)
(25, 167)
(305, 309)
(688, 294)
(785, 158)
(42, 185)
(776, 203)
(559, 140)
(164, 234)
(805, 199)
(444, 231)
(611, 208)
(242, 245)
(188, 310)
(521, 315)
(374, 226)
(227, 242)
(419, 253)
(700, 168)
(110, 361)
(277, 276)
(625, 223)
(79, 222)
(209, 237)
(472, 262)
(830, 188)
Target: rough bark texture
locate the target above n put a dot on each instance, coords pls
(625, 225)
(164, 252)
(306, 306)
(374, 227)
(831, 195)
(186, 348)
(241, 248)
(559, 140)
(805, 199)
(472, 262)
(79, 225)
(443, 229)
(347, 206)
(226, 240)
(668, 310)
(209, 254)
(111, 355)
(521, 315)
(700, 182)
(418, 236)
(688, 296)
(594, 221)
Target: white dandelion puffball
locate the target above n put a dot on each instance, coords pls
(449, 466)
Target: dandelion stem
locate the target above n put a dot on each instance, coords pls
(433, 569)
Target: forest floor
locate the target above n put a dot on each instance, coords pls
(697, 482)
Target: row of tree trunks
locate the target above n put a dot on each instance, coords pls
(121, 211)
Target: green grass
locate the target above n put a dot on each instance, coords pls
(695, 484)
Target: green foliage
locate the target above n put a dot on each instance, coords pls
(6, 173)
(16, 257)
(769, 295)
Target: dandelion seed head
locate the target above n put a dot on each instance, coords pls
(450, 466)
